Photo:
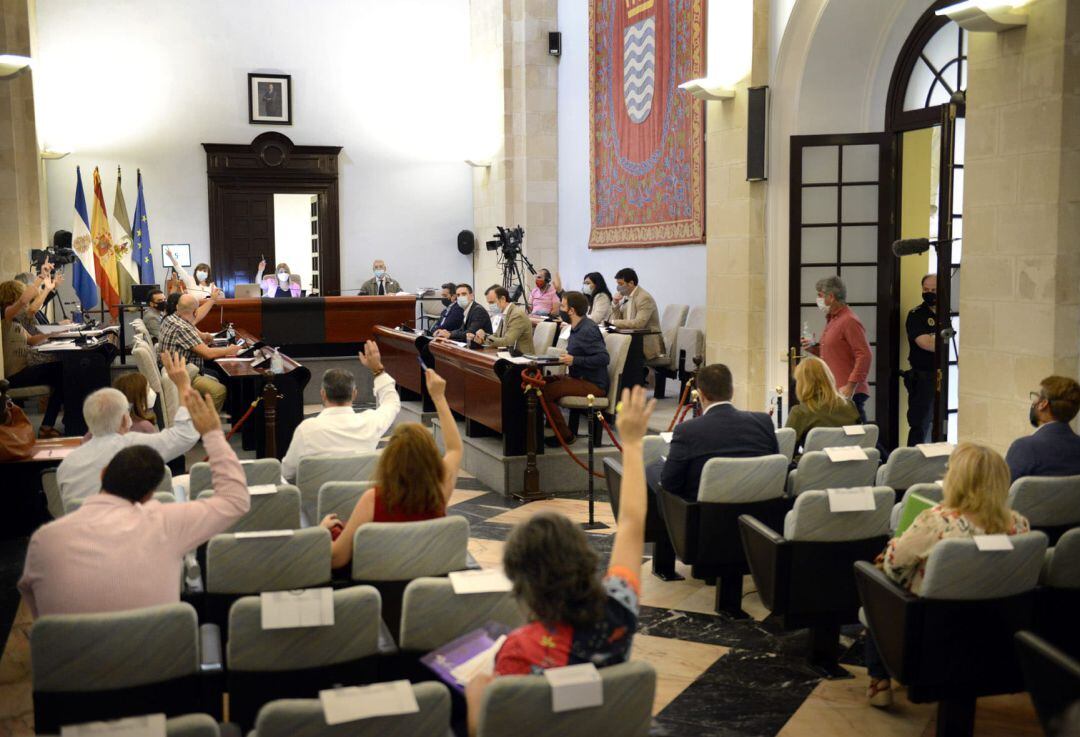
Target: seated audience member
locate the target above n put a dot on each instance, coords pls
(1053, 449)
(820, 404)
(24, 366)
(155, 313)
(123, 549)
(201, 286)
(635, 309)
(596, 289)
(452, 317)
(179, 335)
(576, 616)
(136, 389)
(412, 483)
(380, 282)
(109, 419)
(976, 489)
(474, 317)
(587, 358)
(279, 285)
(515, 329)
(338, 430)
(544, 298)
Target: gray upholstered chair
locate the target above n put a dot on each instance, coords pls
(521, 706)
(666, 365)
(690, 345)
(51, 488)
(433, 615)
(1051, 504)
(189, 725)
(92, 667)
(804, 576)
(786, 438)
(277, 511)
(170, 398)
(544, 334)
(71, 505)
(146, 361)
(908, 466)
(820, 438)
(340, 498)
(258, 472)
(312, 473)
(618, 346)
(304, 718)
(816, 471)
(165, 497)
(654, 448)
(268, 664)
(934, 492)
(1059, 594)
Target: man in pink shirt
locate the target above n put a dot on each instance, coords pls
(124, 550)
(843, 345)
(544, 298)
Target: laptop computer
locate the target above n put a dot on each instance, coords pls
(247, 291)
(140, 293)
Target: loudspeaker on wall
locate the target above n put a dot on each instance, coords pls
(757, 138)
(466, 241)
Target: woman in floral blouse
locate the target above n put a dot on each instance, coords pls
(976, 491)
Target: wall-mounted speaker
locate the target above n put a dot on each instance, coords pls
(466, 242)
(757, 138)
(555, 43)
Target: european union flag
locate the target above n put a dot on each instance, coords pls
(141, 251)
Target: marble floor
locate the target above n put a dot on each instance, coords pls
(715, 675)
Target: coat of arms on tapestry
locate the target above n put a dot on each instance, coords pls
(647, 137)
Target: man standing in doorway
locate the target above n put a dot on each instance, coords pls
(921, 380)
(843, 345)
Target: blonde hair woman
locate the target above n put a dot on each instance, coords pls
(820, 405)
(24, 366)
(976, 489)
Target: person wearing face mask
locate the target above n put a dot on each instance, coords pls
(278, 285)
(635, 309)
(514, 329)
(1053, 449)
(380, 283)
(201, 286)
(596, 289)
(923, 327)
(544, 298)
(452, 317)
(152, 317)
(474, 317)
(843, 345)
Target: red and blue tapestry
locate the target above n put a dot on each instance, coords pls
(647, 137)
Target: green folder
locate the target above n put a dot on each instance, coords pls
(913, 507)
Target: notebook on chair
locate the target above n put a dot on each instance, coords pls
(913, 507)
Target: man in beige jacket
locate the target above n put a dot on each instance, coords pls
(515, 329)
(635, 309)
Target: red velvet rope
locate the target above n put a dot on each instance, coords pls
(536, 381)
(682, 403)
(238, 425)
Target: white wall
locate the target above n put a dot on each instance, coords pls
(673, 274)
(144, 84)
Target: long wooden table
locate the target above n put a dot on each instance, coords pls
(313, 326)
(402, 350)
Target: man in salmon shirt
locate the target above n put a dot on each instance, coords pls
(843, 345)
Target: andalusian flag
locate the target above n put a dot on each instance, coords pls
(126, 271)
(83, 278)
(143, 255)
(104, 257)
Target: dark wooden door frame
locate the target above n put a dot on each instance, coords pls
(273, 164)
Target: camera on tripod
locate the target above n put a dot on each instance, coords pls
(508, 240)
(60, 253)
(513, 261)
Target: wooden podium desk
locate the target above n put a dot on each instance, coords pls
(401, 351)
(313, 326)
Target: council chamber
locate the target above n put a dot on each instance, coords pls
(576, 367)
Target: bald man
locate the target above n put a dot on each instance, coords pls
(179, 334)
(381, 282)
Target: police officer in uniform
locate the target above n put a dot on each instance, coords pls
(921, 379)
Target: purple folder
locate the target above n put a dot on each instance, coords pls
(444, 659)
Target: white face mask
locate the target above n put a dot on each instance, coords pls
(586, 289)
(283, 276)
(493, 308)
(201, 275)
(380, 273)
(821, 304)
(463, 302)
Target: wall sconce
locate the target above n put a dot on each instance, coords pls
(49, 154)
(479, 163)
(704, 89)
(993, 16)
(12, 64)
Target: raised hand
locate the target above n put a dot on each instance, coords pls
(176, 367)
(262, 265)
(436, 385)
(203, 415)
(632, 420)
(370, 357)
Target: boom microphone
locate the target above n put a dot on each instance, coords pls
(910, 246)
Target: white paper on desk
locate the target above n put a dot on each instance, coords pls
(51, 329)
(234, 359)
(300, 608)
(342, 705)
(667, 436)
(145, 726)
(575, 687)
(483, 663)
(846, 453)
(858, 499)
(854, 430)
(505, 356)
(58, 345)
(935, 450)
(262, 533)
(483, 581)
(988, 543)
(458, 343)
(262, 489)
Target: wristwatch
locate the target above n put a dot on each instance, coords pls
(378, 372)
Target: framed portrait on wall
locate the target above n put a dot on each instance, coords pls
(270, 99)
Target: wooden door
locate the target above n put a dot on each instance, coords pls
(249, 237)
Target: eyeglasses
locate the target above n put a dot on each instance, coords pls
(1035, 396)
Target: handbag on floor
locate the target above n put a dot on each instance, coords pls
(16, 435)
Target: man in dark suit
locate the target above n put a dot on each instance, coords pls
(722, 431)
(474, 318)
(1053, 449)
(452, 316)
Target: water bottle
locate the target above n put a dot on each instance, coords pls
(277, 366)
(806, 334)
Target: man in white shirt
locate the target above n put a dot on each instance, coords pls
(338, 430)
(108, 417)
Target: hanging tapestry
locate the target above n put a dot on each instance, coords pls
(647, 137)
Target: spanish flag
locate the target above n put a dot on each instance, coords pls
(104, 255)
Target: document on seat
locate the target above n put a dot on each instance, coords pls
(300, 608)
(935, 450)
(262, 533)
(444, 661)
(575, 687)
(342, 705)
(152, 725)
(483, 581)
(854, 430)
(846, 453)
(483, 663)
(990, 543)
(262, 489)
(858, 499)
